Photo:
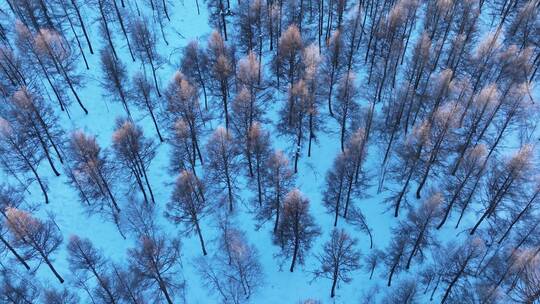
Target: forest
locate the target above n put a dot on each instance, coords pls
(278, 151)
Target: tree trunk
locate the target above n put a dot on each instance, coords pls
(14, 252)
(295, 253)
(76, 8)
(200, 236)
(56, 274)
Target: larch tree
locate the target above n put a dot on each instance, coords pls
(408, 163)
(395, 254)
(85, 262)
(128, 285)
(422, 220)
(115, 81)
(92, 176)
(58, 55)
(235, 271)
(460, 263)
(10, 197)
(406, 291)
(346, 109)
(143, 98)
(134, 153)
(523, 210)
(287, 60)
(339, 259)
(221, 69)
(311, 61)
(458, 187)
(444, 121)
(27, 59)
(505, 180)
(296, 229)
(223, 167)
(16, 287)
(278, 181)
(22, 153)
(105, 20)
(59, 296)
(241, 125)
(39, 239)
(334, 64)
(32, 115)
(193, 64)
(248, 106)
(346, 181)
(156, 261)
(145, 42)
(260, 147)
(477, 119)
(294, 120)
(188, 205)
(187, 120)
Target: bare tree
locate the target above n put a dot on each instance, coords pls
(223, 166)
(295, 118)
(287, 59)
(373, 259)
(22, 153)
(145, 47)
(409, 158)
(279, 180)
(188, 119)
(342, 183)
(460, 263)
(36, 118)
(129, 285)
(92, 176)
(421, 222)
(32, 60)
(39, 239)
(311, 65)
(143, 98)
(234, 272)
(406, 291)
(504, 181)
(193, 64)
(346, 109)
(115, 78)
(62, 296)
(296, 229)
(58, 55)
(395, 254)
(458, 188)
(188, 205)
(339, 259)
(260, 152)
(334, 64)
(221, 68)
(156, 261)
(17, 287)
(85, 262)
(134, 152)
(10, 197)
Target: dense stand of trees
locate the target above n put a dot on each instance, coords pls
(429, 107)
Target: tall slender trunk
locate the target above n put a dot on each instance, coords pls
(295, 252)
(46, 260)
(334, 282)
(81, 22)
(121, 22)
(14, 252)
(199, 233)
